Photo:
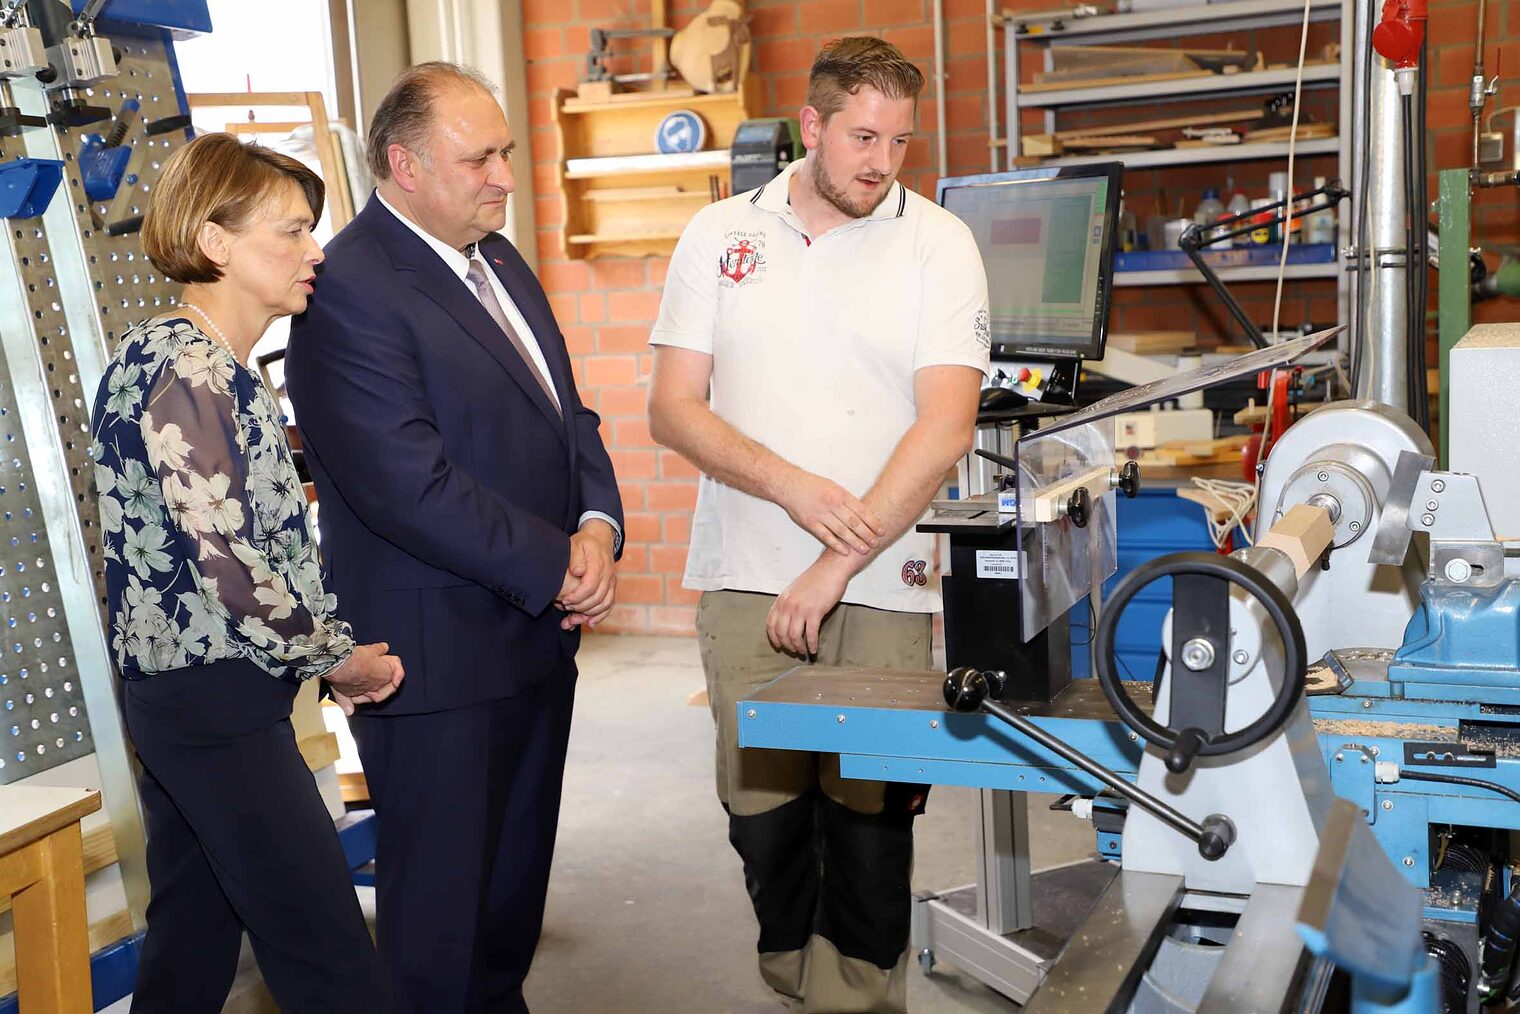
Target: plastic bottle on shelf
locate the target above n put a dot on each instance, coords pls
(1321, 227)
(1128, 239)
(1209, 210)
(1238, 205)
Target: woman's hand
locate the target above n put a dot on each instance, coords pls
(367, 676)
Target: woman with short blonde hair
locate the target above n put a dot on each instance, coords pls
(217, 610)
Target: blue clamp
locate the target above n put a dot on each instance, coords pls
(103, 160)
(27, 186)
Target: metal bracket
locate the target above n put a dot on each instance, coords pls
(1351, 777)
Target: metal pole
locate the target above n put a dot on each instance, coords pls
(1387, 340)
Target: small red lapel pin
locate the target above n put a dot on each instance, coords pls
(498, 262)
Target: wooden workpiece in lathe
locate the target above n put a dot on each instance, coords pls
(1302, 536)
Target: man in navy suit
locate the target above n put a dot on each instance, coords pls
(470, 518)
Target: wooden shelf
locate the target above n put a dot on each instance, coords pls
(621, 199)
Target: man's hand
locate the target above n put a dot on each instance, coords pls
(591, 579)
(369, 675)
(794, 620)
(829, 513)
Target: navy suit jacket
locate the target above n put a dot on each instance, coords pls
(448, 483)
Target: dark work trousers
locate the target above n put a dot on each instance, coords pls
(239, 839)
(468, 805)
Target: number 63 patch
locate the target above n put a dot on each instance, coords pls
(913, 574)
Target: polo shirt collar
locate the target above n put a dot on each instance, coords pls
(775, 196)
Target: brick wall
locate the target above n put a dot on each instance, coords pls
(607, 306)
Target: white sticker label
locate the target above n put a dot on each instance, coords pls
(1002, 564)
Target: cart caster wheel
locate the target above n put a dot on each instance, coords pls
(926, 960)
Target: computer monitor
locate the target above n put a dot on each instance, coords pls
(1047, 241)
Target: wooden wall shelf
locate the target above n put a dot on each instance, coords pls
(639, 209)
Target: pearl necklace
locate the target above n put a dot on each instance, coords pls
(216, 332)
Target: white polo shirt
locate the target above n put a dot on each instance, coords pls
(814, 349)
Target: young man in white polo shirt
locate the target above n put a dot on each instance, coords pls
(840, 324)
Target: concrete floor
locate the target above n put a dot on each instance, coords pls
(647, 910)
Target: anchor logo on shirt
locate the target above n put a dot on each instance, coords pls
(739, 261)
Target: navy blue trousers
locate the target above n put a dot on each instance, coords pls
(239, 839)
(468, 805)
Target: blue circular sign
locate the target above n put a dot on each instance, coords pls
(679, 132)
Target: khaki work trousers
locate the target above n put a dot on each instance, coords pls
(827, 859)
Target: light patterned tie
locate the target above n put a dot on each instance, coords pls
(477, 277)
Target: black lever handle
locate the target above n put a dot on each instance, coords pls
(1186, 746)
(970, 690)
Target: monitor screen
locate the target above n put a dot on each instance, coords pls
(1046, 237)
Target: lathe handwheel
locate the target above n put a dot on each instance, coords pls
(1205, 576)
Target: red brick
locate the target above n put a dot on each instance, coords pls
(544, 76)
(658, 266)
(632, 495)
(675, 595)
(787, 54)
(633, 432)
(592, 308)
(640, 589)
(543, 43)
(563, 276)
(566, 306)
(620, 338)
(632, 306)
(623, 401)
(667, 560)
(677, 528)
(635, 559)
(579, 339)
(547, 209)
(678, 621)
(632, 464)
(641, 527)
(673, 466)
(915, 41)
(1453, 26)
(618, 273)
(600, 11)
(538, 12)
(672, 496)
(790, 93)
(895, 12)
(545, 176)
(622, 619)
(611, 371)
(821, 16)
(774, 22)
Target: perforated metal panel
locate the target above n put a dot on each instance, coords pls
(43, 721)
(124, 288)
(81, 289)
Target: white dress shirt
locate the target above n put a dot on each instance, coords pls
(459, 263)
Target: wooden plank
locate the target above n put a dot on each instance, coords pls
(667, 193)
(1306, 132)
(103, 933)
(99, 853)
(1149, 343)
(333, 173)
(51, 929)
(31, 813)
(353, 787)
(198, 99)
(319, 751)
(1173, 122)
(1110, 141)
(1050, 502)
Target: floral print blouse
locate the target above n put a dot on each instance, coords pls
(208, 555)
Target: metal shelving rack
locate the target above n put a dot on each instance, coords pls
(1213, 18)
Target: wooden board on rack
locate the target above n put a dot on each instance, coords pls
(1070, 63)
(1152, 343)
(1306, 132)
